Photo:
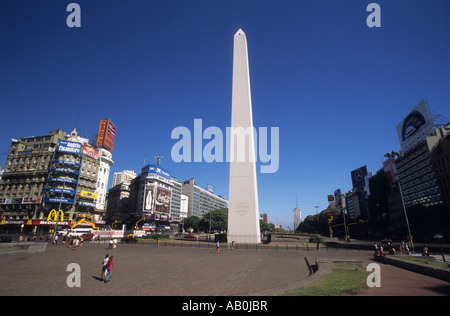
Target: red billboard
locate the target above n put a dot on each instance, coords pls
(389, 170)
(106, 135)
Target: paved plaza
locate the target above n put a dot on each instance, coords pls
(173, 271)
(148, 270)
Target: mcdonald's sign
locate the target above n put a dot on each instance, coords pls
(55, 215)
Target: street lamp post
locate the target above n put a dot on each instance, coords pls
(392, 155)
(317, 217)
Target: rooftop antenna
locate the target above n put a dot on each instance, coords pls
(158, 160)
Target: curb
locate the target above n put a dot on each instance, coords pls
(420, 268)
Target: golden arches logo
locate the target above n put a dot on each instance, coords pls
(55, 215)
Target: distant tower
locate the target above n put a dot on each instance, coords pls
(297, 215)
(243, 208)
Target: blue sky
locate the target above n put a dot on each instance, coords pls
(335, 87)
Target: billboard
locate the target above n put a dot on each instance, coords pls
(89, 195)
(358, 177)
(415, 127)
(65, 146)
(162, 200)
(106, 135)
(156, 170)
(157, 199)
(90, 151)
(389, 170)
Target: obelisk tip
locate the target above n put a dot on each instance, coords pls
(239, 32)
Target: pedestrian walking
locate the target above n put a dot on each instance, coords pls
(55, 240)
(377, 249)
(425, 251)
(77, 243)
(110, 244)
(109, 268)
(218, 246)
(104, 265)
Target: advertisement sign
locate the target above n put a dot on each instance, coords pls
(86, 203)
(59, 200)
(32, 200)
(101, 133)
(156, 170)
(63, 180)
(415, 127)
(52, 223)
(66, 162)
(69, 147)
(106, 135)
(358, 177)
(157, 199)
(65, 170)
(26, 200)
(89, 195)
(90, 151)
(110, 136)
(162, 200)
(60, 190)
(148, 198)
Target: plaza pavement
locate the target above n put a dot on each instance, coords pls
(188, 271)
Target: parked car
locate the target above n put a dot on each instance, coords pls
(5, 239)
(130, 238)
(88, 236)
(189, 236)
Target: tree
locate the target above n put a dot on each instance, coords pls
(191, 223)
(217, 220)
(310, 225)
(266, 227)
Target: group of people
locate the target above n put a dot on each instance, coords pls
(403, 248)
(107, 268)
(76, 241)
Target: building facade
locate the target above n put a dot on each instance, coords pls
(123, 176)
(297, 217)
(52, 172)
(151, 195)
(440, 159)
(418, 177)
(201, 201)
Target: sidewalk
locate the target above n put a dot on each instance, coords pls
(399, 282)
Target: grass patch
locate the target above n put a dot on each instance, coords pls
(426, 260)
(344, 279)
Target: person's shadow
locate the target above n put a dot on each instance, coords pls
(97, 278)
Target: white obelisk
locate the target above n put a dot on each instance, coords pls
(243, 209)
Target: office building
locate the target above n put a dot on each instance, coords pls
(418, 178)
(297, 217)
(440, 159)
(151, 195)
(123, 176)
(118, 200)
(52, 172)
(201, 201)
